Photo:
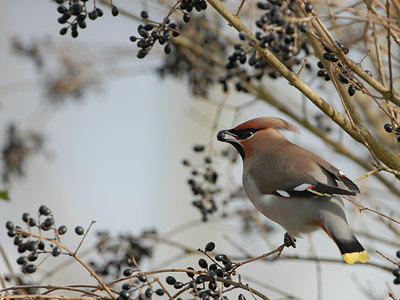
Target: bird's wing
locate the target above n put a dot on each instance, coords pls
(299, 174)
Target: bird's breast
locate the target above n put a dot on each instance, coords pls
(295, 215)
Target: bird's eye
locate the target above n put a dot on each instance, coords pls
(246, 133)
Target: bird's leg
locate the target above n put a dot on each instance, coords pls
(289, 241)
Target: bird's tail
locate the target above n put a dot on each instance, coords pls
(351, 250)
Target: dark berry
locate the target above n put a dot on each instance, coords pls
(203, 263)
(76, 9)
(320, 65)
(186, 17)
(142, 53)
(30, 268)
(128, 272)
(93, 15)
(303, 27)
(18, 240)
(48, 222)
(142, 278)
(212, 285)
(99, 12)
(32, 245)
(220, 257)
(41, 245)
(242, 36)
(326, 55)
(333, 57)
(62, 229)
(22, 248)
(82, 24)
(170, 280)
(114, 11)
(148, 293)
(228, 267)
(124, 294)
(126, 286)
(396, 280)
(10, 225)
(398, 254)
(33, 256)
(56, 251)
(190, 274)
(396, 272)
(200, 279)
(160, 292)
(397, 130)
(351, 90)
(63, 30)
(25, 217)
(12, 233)
(22, 260)
(144, 14)
(207, 160)
(389, 128)
(44, 210)
(133, 38)
(167, 48)
(321, 73)
(210, 246)
(148, 27)
(178, 285)
(262, 5)
(79, 230)
(308, 7)
(198, 148)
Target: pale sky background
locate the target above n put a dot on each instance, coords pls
(116, 157)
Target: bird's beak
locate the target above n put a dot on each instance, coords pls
(226, 136)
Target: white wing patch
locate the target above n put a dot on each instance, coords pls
(283, 193)
(302, 187)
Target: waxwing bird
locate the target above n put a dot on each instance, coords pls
(293, 186)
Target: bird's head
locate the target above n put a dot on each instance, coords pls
(252, 132)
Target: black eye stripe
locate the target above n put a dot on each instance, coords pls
(244, 133)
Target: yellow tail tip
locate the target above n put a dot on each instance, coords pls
(351, 258)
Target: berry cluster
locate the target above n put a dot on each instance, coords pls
(118, 252)
(344, 73)
(189, 5)
(389, 128)
(277, 32)
(203, 184)
(75, 13)
(219, 267)
(152, 32)
(181, 65)
(32, 245)
(141, 289)
(17, 148)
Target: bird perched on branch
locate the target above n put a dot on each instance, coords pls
(293, 186)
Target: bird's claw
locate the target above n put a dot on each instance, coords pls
(289, 241)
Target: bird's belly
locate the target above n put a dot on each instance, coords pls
(296, 216)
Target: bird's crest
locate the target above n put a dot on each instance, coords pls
(268, 122)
